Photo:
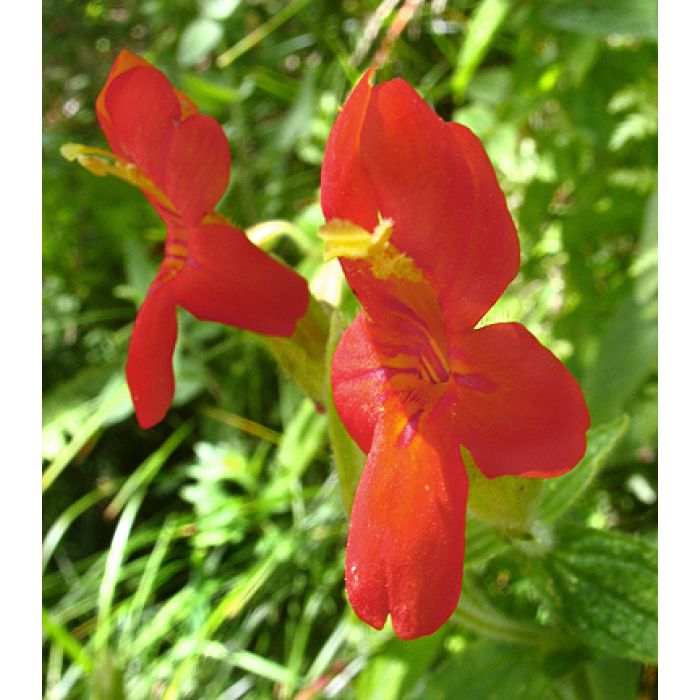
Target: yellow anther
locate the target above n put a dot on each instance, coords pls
(101, 162)
(343, 239)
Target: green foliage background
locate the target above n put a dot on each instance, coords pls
(203, 558)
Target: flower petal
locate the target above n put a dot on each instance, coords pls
(149, 370)
(406, 538)
(197, 166)
(229, 280)
(359, 382)
(143, 110)
(389, 153)
(346, 190)
(492, 256)
(519, 410)
(124, 61)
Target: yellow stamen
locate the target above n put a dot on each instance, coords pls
(343, 239)
(101, 162)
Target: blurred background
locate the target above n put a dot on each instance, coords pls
(204, 558)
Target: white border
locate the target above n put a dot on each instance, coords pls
(679, 349)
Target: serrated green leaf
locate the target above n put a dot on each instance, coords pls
(603, 585)
(559, 494)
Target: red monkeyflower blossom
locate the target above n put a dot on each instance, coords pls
(413, 379)
(181, 161)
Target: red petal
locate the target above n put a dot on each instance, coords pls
(389, 153)
(228, 280)
(149, 371)
(406, 538)
(519, 410)
(376, 360)
(359, 382)
(346, 191)
(143, 110)
(124, 61)
(197, 166)
(492, 256)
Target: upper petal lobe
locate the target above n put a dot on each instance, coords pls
(143, 110)
(197, 166)
(390, 154)
(346, 191)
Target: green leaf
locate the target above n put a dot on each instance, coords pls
(487, 671)
(603, 585)
(559, 494)
(301, 441)
(600, 680)
(261, 32)
(475, 613)
(299, 119)
(395, 671)
(147, 470)
(626, 358)
(107, 679)
(262, 667)
(485, 23)
(636, 18)
(198, 39)
(209, 93)
(109, 402)
(628, 351)
(66, 641)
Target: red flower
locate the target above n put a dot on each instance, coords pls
(180, 159)
(413, 379)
